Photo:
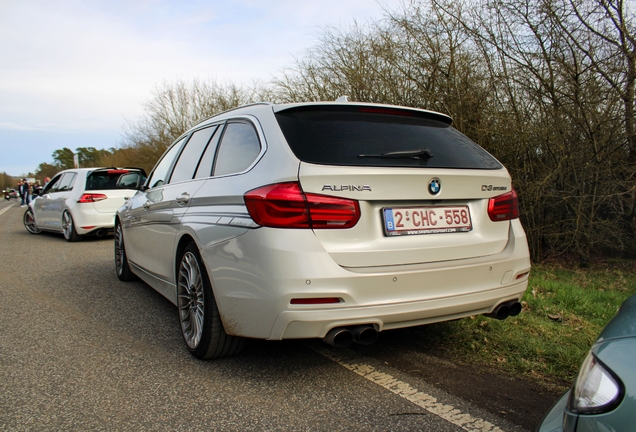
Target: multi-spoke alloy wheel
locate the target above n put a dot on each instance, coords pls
(191, 300)
(68, 227)
(201, 324)
(29, 222)
(121, 260)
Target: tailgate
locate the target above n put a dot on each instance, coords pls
(116, 199)
(384, 191)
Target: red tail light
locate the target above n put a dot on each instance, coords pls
(504, 207)
(285, 205)
(91, 197)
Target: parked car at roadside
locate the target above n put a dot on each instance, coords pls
(603, 395)
(78, 202)
(330, 220)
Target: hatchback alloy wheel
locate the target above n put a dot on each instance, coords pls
(68, 227)
(29, 222)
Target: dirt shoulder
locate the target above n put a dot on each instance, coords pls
(520, 400)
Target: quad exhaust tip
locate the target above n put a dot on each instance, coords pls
(341, 337)
(504, 310)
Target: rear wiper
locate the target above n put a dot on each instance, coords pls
(423, 153)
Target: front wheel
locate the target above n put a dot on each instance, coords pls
(201, 324)
(68, 227)
(29, 222)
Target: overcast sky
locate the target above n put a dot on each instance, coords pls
(73, 72)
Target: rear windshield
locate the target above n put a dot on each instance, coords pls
(363, 136)
(103, 180)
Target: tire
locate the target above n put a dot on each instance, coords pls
(121, 259)
(29, 222)
(68, 227)
(199, 317)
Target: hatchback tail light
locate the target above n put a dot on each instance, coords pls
(91, 197)
(285, 205)
(504, 207)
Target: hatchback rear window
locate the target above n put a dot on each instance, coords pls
(104, 180)
(368, 136)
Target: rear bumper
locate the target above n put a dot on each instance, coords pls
(255, 277)
(316, 323)
(89, 220)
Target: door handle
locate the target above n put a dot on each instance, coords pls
(147, 205)
(183, 199)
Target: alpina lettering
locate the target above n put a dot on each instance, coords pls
(344, 188)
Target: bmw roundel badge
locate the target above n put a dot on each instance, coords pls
(434, 186)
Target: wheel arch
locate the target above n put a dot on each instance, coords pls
(184, 241)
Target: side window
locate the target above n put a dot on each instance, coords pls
(239, 148)
(191, 154)
(52, 185)
(66, 183)
(160, 173)
(205, 165)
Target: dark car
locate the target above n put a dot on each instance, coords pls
(603, 396)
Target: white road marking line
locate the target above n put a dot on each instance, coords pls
(5, 209)
(413, 395)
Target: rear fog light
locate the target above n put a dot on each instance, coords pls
(318, 300)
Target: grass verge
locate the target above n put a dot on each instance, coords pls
(564, 311)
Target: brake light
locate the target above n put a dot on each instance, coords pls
(386, 111)
(285, 205)
(117, 171)
(91, 197)
(504, 207)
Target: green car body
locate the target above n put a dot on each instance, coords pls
(615, 352)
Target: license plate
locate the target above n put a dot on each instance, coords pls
(426, 220)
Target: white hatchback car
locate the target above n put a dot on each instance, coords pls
(82, 201)
(324, 220)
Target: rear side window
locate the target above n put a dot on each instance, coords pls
(113, 179)
(239, 147)
(66, 182)
(191, 154)
(367, 136)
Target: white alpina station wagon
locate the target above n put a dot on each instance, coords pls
(331, 220)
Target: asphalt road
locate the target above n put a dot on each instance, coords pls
(80, 350)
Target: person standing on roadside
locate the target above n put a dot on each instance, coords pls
(20, 193)
(29, 193)
(24, 192)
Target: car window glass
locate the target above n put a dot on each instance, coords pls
(52, 184)
(66, 183)
(239, 148)
(160, 172)
(363, 136)
(191, 154)
(113, 179)
(205, 165)
(131, 180)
